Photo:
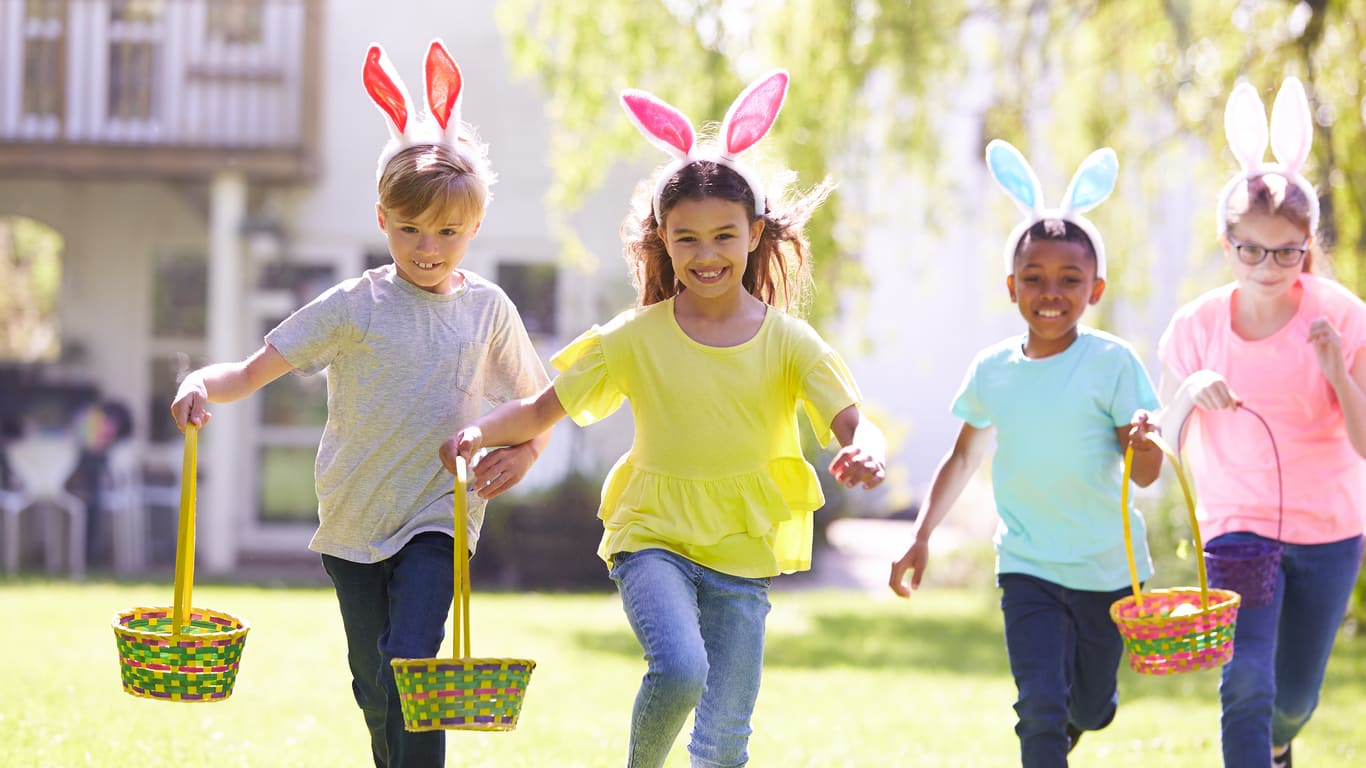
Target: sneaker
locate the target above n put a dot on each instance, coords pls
(1282, 760)
(1074, 736)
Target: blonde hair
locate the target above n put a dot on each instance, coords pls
(427, 177)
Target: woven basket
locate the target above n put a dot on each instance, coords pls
(180, 653)
(1250, 567)
(465, 693)
(1158, 642)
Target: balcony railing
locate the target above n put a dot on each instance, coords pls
(159, 87)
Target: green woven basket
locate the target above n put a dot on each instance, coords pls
(465, 693)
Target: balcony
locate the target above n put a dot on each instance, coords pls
(159, 89)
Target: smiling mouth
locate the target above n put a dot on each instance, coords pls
(710, 275)
(1049, 314)
(426, 264)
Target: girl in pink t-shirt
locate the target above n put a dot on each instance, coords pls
(1292, 346)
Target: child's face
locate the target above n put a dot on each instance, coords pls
(1054, 282)
(1266, 279)
(428, 250)
(709, 241)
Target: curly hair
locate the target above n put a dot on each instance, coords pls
(778, 272)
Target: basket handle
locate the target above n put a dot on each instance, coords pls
(1175, 462)
(184, 553)
(460, 610)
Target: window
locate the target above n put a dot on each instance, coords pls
(134, 51)
(180, 295)
(531, 286)
(235, 22)
(44, 44)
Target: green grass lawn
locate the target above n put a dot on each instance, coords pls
(850, 680)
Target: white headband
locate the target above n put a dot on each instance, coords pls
(747, 121)
(1292, 133)
(1091, 184)
(438, 124)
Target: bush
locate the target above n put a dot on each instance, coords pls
(545, 540)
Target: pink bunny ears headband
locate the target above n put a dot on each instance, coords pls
(1292, 133)
(439, 124)
(747, 121)
(1091, 184)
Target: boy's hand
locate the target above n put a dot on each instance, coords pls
(915, 560)
(500, 469)
(189, 404)
(1140, 426)
(853, 465)
(466, 442)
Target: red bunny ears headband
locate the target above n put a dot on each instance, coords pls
(747, 121)
(438, 124)
(1292, 133)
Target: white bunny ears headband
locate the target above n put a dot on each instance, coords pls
(747, 121)
(1292, 133)
(1091, 184)
(439, 124)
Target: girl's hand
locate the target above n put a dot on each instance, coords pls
(1328, 349)
(466, 442)
(853, 465)
(190, 402)
(1211, 392)
(915, 560)
(500, 469)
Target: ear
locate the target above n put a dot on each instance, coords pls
(1010, 287)
(1097, 290)
(379, 215)
(477, 225)
(662, 124)
(1245, 126)
(443, 89)
(752, 114)
(1011, 171)
(756, 231)
(386, 89)
(1093, 181)
(1292, 127)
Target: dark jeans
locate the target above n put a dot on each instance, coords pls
(395, 608)
(1064, 653)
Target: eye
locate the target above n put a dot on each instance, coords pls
(408, 229)
(448, 232)
(1072, 280)
(1031, 279)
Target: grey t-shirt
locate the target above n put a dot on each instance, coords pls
(405, 369)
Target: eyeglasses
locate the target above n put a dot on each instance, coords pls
(1252, 255)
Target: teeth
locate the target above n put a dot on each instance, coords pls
(425, 264)
(1049, 313)
(709, 275)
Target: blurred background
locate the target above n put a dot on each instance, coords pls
(176, 176)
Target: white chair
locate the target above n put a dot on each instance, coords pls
(42, 464)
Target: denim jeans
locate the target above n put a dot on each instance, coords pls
(1064, 654)
(703, 636)
(395, 608)
(1280, 651)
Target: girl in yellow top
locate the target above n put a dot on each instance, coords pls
(713, 498)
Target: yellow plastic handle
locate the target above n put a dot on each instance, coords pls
(184, 553)
(460, 610)
(1175, 461)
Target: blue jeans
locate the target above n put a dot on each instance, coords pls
(1280, 651)
(1064, 654)
(395, 608)
(703, 636)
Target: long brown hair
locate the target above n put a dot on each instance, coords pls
(1271, 194)
(778, 271)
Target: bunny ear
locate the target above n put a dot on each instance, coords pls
(1012, 172)
(1093, 181)
(386, 90)
(443, 88)
(661, 123)
(1245, 126)
(752, 114)
(1292, 128)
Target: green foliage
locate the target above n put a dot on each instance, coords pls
(30, 283)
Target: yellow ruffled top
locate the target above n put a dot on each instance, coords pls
(715, 472)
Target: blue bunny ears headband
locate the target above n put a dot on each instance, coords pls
(1292, 133)
(1091, 184)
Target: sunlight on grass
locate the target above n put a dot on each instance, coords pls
(851, 680)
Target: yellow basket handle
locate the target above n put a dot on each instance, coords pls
(460, 611)
(1175, 462)
(184, 552)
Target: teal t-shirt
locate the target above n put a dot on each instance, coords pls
(1058, 465)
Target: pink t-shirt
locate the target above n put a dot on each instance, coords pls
(1279, 377)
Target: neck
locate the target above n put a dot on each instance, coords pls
(1036, 348)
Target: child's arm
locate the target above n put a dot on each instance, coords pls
(1147, 456)
(949, 479)
(224, 383)
(863, 455)
(502, 468)
(512, 423)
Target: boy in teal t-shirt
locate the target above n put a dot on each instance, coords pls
(1061, 402)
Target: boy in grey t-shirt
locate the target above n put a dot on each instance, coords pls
(413, 351)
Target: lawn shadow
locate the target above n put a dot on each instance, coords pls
(963, 645)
